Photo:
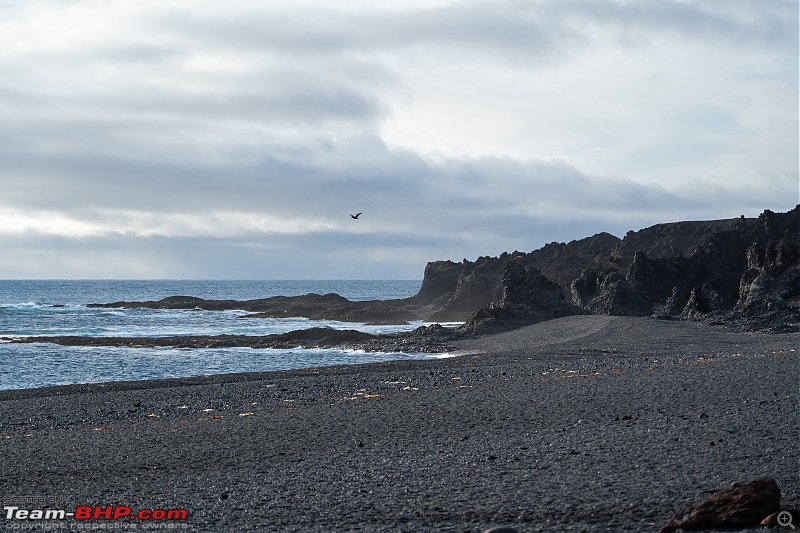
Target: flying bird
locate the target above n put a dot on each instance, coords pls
(355, 217)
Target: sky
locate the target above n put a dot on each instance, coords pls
(207, 139)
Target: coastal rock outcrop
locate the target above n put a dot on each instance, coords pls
(609, 293)
(478, 286)
(462, 288)
(741, 273)
(528, 297)
(314, 306)
(769, 289)
(430, 339)
(440, 279)
(564, 262)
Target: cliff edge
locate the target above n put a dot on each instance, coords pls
(742, 273)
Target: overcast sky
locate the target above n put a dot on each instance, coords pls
(207, 139)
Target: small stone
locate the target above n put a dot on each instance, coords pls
(627, 417)
(703, 415)
(501, 529)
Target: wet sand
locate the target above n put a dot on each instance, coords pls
(587, 423)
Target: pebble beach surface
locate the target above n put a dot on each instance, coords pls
(586, 423)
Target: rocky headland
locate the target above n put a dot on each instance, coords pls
(740, 273)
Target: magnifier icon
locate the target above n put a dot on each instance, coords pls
(784, 519)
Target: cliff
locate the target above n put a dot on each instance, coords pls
(741, 272)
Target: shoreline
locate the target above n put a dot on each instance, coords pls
(580, 424)
(432, 339)
(424, 339)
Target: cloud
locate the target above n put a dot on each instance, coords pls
(209, 139)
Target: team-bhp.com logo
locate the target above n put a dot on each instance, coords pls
(96, 512)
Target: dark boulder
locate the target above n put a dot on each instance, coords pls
(737, 507)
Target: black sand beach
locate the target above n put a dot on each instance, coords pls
(585, 423)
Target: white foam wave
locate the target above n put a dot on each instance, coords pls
(446, 355)
(36, 306)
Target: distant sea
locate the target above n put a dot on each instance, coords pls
(58, 307)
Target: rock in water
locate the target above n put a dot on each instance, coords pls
(743, 506)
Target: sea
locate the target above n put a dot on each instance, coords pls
(30, 308)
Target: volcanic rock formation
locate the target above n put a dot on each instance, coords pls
(744, 273)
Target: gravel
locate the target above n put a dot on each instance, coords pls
(586, 423)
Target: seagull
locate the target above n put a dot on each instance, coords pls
(355, 217)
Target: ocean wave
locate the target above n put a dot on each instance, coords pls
(56, 332)
(57, 307)
(38, 365)
(27, 307)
